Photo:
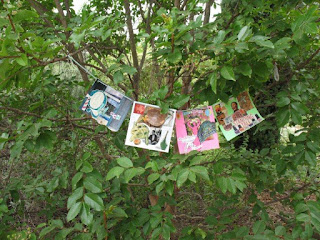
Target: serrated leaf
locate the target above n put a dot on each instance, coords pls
(125, 162)
(94, 201)
(227, 73)
(266, 43)
(114, 172)
(74, 211)
(119, 213)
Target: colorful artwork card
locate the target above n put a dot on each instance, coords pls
(237, 115)
(196, 130)
(149, 128)
(106, 105)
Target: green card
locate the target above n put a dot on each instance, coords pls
(237, 115)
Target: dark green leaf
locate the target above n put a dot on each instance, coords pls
(94, 201)
(227, 73)
(125, 162)
(74, 211)
(114, 172)
(92, 184)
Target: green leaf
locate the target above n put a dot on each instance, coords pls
(162, 92)
(76, 179)
(227, 73)
(242, 232)
(22, 60)
(258, 227)
(174, 57)
(282, 117)
(280, 231)
(244, 33)
(220, 37)
(74, 211)
(118, 77)
(92, 184)
(265, 43)
(302, 217)
(284, 101)
(180, 101)
(119, 213)
(310, 158)
(125, 162)
(182, 177)
(76, 38)
(201, 171)
(153, 177)
(86, 167)
(283, 43)
(245, 69)
(86, 216)
(222, 184)
(24, 15)
(131, 173)
(77, 194)
(114, 172)
(128, 69)
(94, 201)
(213, 81)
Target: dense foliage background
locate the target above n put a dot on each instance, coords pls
(63, 176)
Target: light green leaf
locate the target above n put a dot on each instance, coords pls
(266, 43)
(244, 32)
(74, 211)
(227, 73)
(259, 227)
(302, 217)
(94, 201)
(213, 79)
(86, 216)
(77, 194)
(76, 38)
(182, 177)
(114, 172)
(125, 162)
(280, 231)
(22, 60)
(92, 184)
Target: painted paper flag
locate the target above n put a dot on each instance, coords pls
(237, 115)
(149, 128)
(106, 105)
(196, 130)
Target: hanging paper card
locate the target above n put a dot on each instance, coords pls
(237, 115)
(149, 128)
(196, 130)
(106, 105)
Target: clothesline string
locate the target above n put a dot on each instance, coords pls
(82, 67)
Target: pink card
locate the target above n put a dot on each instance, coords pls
(196, 130)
